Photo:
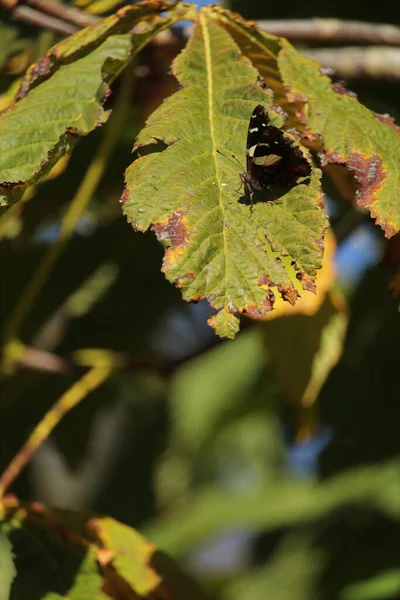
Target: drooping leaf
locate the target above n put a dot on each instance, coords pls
(49, 563)
(188, 193)
(67, 555)
(62, 94)
(307, 342)
(130, 554)
(330, 117)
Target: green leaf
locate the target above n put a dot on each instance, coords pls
(68, 555)
(368, 144)
(67, 104)
(304, 349)
(216, 247)
(62, 94)
(7, 569)
(224, 375)
(291, 573)
(330, 117)
(384, 585)
(132, 553)
(279, 505)
(52, 569)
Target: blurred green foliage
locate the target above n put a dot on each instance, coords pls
(193, 438)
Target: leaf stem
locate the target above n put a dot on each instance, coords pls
(79, 390)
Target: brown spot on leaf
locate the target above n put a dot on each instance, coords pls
(327, 157)
(288, 293)
(300, 116)
(174, 230)
(313, 140)
(265, 281)
(306, 283)
(339, 87)
(327, 72)
(295, 96)
(279, 110)
(388, 120)
(125, 195)
(369, 173)
(39, 69)
(294, 133)
(257, 312)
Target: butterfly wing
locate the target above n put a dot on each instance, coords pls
(272, 157)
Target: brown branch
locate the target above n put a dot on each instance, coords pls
(305, 30)
(40, 360)
(25, 14)
(64, 12)
(33, 358)
(376, 62)
(334, 31)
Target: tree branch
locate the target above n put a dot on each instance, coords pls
(334, 31)
(25, 14)
(375, 62)
(302, 30)
(64, 12)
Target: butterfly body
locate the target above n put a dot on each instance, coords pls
(272, 158)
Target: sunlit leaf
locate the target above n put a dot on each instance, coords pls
(62, 94)
(67, 555)
(193, 199)
(129, 553)
(330, 117)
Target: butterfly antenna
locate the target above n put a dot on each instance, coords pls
(235, 161)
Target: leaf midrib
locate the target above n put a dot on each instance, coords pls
(210, 87)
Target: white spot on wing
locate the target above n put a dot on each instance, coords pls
(266, 161)
(253, 130)
(252, 150)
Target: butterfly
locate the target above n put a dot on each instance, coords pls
(272, 158)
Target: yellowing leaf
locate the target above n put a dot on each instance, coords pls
(129, 553)
(330, 118)
(308, 303)
(193, 199)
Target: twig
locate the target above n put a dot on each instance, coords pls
(376, 62)
(334, 31)
(89, 382)
(305, 30)
(40, 360)
(64, 12)
(25, 14)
